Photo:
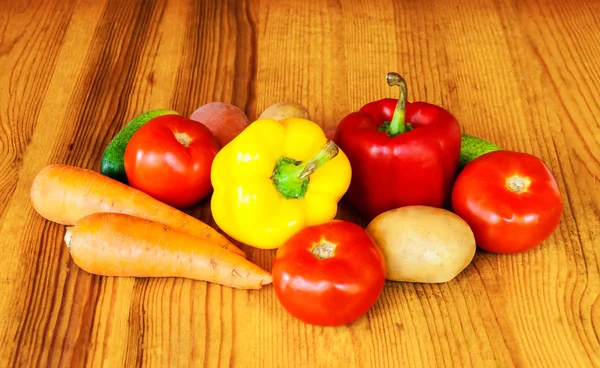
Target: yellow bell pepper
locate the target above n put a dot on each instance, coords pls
(274, 179)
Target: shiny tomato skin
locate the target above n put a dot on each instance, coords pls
(330, 291)
(175, 173)
(503, 220)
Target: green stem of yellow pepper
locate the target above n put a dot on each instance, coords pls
(291, 177)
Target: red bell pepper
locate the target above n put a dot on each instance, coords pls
(401, 153)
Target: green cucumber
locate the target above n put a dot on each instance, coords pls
(473, 147)
(112, 164)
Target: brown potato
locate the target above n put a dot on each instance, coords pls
(285, 110)
(423, 244)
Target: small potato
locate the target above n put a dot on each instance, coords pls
(285, 110)
(224, 120)
(330, 132)
(423, 244)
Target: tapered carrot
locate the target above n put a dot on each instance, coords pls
(114, 244)
(65, 194)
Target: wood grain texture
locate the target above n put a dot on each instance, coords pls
(524, 74)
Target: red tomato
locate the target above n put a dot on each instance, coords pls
(509, 199)
(170, 158)
(329, 274)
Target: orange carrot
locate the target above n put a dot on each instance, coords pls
(65, 194)
(114, 244)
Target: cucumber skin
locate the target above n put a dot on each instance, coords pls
(473, 147)
(112, 164)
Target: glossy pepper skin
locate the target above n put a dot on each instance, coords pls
(414, 167)
(261, 197)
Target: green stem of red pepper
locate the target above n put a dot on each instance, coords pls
(291, 177)
(398, 125)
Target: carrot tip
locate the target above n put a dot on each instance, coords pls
(68, 235)
(266, 281)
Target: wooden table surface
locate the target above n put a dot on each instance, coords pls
(524, 74)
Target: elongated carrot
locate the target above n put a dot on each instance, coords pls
(65, 194)
(114, 244)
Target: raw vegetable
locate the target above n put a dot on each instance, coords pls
(275, 179)
(170, 158)
(473, 147)
(423, 244)
(510, 199)
(330, 132)
(285, 110)
(401, 153)
(225, 121)
(113, 244)
(112, 164)
(65, 194)
(330, 274)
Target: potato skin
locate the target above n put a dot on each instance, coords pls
(285, 110)
(423, 244)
